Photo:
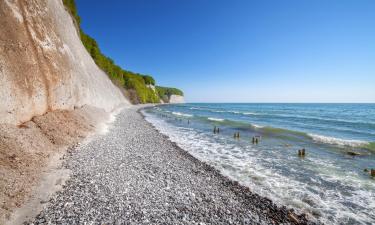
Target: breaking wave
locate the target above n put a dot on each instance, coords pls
(182, 114)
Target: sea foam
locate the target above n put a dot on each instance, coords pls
(316, 185)
(215, 119)
(182, 114)
(337, 141)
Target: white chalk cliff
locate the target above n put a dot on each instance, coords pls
(43, 64)
(176, 99)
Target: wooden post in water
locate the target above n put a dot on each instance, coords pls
(372, 172)
(257, 139)
(253, 140)
(301, 152)
(218, 130)
(215, 130)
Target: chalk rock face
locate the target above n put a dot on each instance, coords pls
(176, 99)
(43, 64)
(152, 87)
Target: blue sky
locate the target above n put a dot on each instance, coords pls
(243, 51)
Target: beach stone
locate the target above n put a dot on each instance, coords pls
(135, 175)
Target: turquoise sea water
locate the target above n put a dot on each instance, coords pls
(328, 183)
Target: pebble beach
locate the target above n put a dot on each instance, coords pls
(135, 175)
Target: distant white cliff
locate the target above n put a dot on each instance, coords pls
(176, 99)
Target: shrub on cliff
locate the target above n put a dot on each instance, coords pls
(149, 79)
(135, 83)
(166, 92)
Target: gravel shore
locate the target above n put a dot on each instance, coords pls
(135, 175)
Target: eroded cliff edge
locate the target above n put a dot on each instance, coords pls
(52, 95)
(43, 64)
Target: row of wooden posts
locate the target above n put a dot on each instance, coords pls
(236, 135)
(301, 152)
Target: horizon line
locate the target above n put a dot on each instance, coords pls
(281, 102)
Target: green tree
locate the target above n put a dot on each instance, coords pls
(135, 83)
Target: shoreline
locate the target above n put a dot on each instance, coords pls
(331, 184)
(289, 213)
(62, 174)
(135, 174)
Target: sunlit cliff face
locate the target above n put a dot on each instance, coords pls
(43, 64)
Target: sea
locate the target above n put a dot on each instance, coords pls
(331, 183)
